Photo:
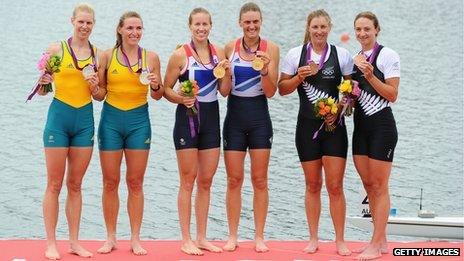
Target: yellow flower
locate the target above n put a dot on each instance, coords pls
(334, 109)
(345, 86)
(330, 101)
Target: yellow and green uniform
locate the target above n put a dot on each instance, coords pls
(70, 116)
(124, 123)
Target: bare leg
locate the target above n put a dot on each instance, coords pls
(111, 167)
(56, 163)
(187, 161)
(313, 178)
(334, 169)
(376, 184)
(78, 162)
(234, 161)
(259, 169)
(136, 161)
(208, 162)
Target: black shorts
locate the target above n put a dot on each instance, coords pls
(208, 135)
(247, 124)
(325, 144)
(375, 136)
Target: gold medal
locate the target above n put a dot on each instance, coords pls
(257, 64)
(219, 72)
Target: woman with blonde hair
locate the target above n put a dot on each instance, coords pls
(315, 69)
(69, 131)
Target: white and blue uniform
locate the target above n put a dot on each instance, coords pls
(207, 124)
(247, 123)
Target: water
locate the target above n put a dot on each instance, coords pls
(428, 35)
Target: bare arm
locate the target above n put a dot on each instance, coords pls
(270, 71)
(225, 83)
(156, 85)
(103, 63)
(175, 65)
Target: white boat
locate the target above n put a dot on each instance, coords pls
(436, 227)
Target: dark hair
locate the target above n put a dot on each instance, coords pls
(371, 16)
(250, 6)
(123, 17)
(197, 11)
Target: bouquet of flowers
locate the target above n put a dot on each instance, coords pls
(350, 91)
(323, 108)
(190, 89)
(49, 64)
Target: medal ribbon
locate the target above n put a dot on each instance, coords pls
(211, 59)
(248, 49)
(374, 53)
(324, 54)
(74, 58)
(139, 60)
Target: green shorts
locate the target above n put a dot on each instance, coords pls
(120, 129)
(68, 126)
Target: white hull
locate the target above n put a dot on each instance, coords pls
(437, 227)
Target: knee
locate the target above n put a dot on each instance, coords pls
(187, 183)
(54, 187)
(259, 183)
(335, 190)
(375, 189)
(204, 184)
(110, 185)
(314, 187)
(234, 182)
(74, 186)
(135, 185)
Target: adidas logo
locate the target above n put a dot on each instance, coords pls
(147, 141)
(195, 64)
(114, 71)
(237, 60)
(70, 65)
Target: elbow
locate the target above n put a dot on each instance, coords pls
(270, 94)
(393, 97)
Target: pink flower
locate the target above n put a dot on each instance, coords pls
(42, 64)
(356, 91)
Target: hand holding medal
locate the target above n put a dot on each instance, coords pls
(220, 70)
(313, 68)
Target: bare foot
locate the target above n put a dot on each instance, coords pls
(312, 247)
(191, 249)
(383, 248)
(342, 249)
(206, 245)
(52, 252)
(77, 249)
(107, 247)
(369, 253)
(260, 247)
(137, 249)
(230, 245)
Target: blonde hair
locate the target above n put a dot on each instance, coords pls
(311, 16)
(371, 16)
(123, 17)
(250, 6)
(199, 10)
(84, 7)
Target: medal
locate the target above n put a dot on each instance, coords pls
(87, 71)
(143, 77)
(257, 64)
(219, 72)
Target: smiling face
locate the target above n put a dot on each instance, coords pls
(366, 32)
(319, 29)
(131, 30)
(200, 26)
(83, 23)
(251, 23)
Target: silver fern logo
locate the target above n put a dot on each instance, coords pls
(313, 93)
(371, 103)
